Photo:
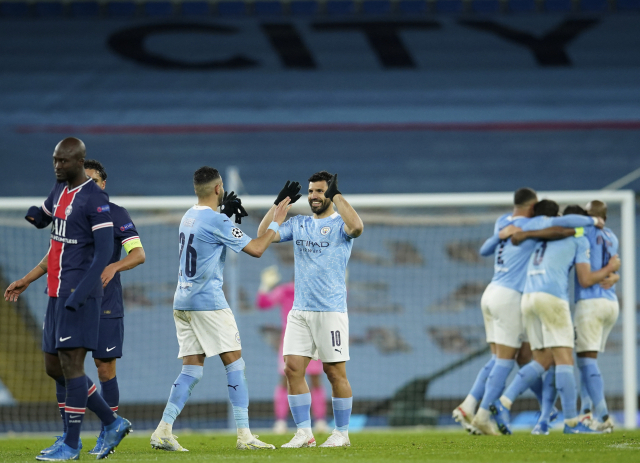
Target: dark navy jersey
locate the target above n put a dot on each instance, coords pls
(125, 236)
(75, 214)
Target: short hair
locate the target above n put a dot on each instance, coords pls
(320, 176)
(574, 209)
(97, 166)
(202, 179)
(546, 207)
(597, 208)
(524, 196)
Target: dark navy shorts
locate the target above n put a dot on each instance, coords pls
(69, 329)
(110, 338)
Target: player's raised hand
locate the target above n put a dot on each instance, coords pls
(240, 211)
(332, 187)
(290, 189)
(599, 223)
(229, 202)
(15, 289)
(281, 210)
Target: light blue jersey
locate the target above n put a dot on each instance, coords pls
(321, 250)
(510, 264)
(604, 245)
(205, 236)
(551, 262)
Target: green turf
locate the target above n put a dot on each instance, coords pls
(432, 446)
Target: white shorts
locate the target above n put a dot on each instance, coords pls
(502, 315)
(318, 335)
(210, 332)
(547, 321)
(594, 319)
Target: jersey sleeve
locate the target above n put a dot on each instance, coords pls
(286, 230)
(228, 234)
(583, 253)
(613, 250)
(98, 211)
(572, 221)
(125, 230)
(537, 223)
(47, 205)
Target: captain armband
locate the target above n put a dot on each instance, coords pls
(131, 243)
(579, 232)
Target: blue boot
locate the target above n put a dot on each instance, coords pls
(502, 417)
(99, 444)
(113, 435)
(62, 453)
(541, 429)
(580, 428)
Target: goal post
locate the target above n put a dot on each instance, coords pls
(405, 222)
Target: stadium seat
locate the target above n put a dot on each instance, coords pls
(521, 6)
(485, 6)
(340, 7)
(49, 9)
(121, 8)
(599, 6)
(194, 8)
(412, 6)
(378, 7)
(449, 6)
(158, 8)
(231, 8)
(304, 8)
(85, 9)
(269, 8)
(14, 9)
(558, 6)
(628, 5)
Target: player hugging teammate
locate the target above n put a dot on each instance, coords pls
(528, 300)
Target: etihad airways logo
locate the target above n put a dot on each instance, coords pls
(312, 246)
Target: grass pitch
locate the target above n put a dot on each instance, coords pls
(391, 446)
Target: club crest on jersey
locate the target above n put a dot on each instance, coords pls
(104, 208)
(68, 210)
(325, 230)
(237, 232)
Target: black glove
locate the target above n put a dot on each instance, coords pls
(231, 204)
(291, 190)
(332, 188)
(37, 217)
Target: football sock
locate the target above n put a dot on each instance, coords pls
(238, 393)
(75, 405)
(496, 381)
(549, 394)
(585, 399)
(477, 391)
(523, 380)
(181, 391)
(110, 393)
(590, 375)
(536, 388)
(97, 405)
(61, 395)
(566, 385)
(342, 412)
(280, 402)
(319, 403)
(300, 405)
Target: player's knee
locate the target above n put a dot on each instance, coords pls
(291, 370)
(106, 371)
(334, 375)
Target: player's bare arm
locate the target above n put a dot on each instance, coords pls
(290, 190)
(588, 278)
(610, 281)
(549, 234)
(19, 286)
(353, 225)
(256, 247)
(135, 257)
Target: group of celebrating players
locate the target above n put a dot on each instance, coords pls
(85, 309)
(528, 320)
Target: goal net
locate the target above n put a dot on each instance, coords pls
(417, 340)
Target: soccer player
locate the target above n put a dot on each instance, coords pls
(547, 319)
(111, 331)
(81, 246)
(500, 305)
(596, 313)
(204, 322)
(318, 325)
(270, 294)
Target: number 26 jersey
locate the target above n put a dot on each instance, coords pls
(204, 238)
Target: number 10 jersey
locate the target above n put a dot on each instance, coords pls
(204, 238)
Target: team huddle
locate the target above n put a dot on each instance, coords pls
(85, 310)
(528, 321)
